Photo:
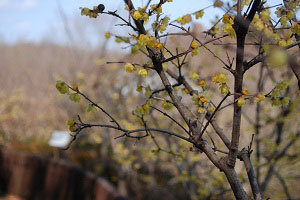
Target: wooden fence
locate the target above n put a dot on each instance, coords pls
(29, 176)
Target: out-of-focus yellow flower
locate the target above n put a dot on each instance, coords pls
(107, 35)
(158, 45)
(220, 78)
(277, 58)
(136, 15)
(211, 109)
(265, 15)
(185, 19)
(165, 67)
(130, 67)
(245, 92)
(218, 4)
(227, 19)
(241, 101)
(194, 76)
(201, 110)
(203, 99)
(202, 83)
(199, 14)
(229, 30)
(224, 89)
(259, 97)
(143, 72)
(194, 45)
(166, 105)
(139, 88)
(296, 28)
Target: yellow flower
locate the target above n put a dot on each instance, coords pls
(285, 101)
(194, 76)
(201, 110)
(166, 105)
(265, 15)
(218, 4)
(136, 15)
(139, 88)
(118, 40)
(157, 10)
(202, 83)
(284, 20)
(158, 45)
(220, 78)
(282, 86)
(146, 108)
(296, 28)
(107, 35)
(165, 67)
(203, 99)
(199, 14)
(245, 92)
(227, 19)
(145, 17)
(259, 25)
(277, 58)
(241, 101)
(229, 30)
(134, 49)
(185, 91)
(259, 97)
(290, 14)
(143, 72)
(185, 19)
(282, 43)
(224, 89)
(194, 45)
(130, 67)
(211, 109)
(195, 52)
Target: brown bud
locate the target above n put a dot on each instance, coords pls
(101, 8)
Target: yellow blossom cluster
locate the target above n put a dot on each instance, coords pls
(143, 72)
(296, 28)
(185, 19)
(132, 68)
(277, 57)
(167, 105)
(202, 102)
(218, 4)
(194, 76)
(91, 13)
(261, 24)
(195, 48)
(259, 97)
(148, 41)
(199, 14)
(156, 9)
(221, 79)
(227, 26)
(140, 14)
(277, 97)
(161, 25)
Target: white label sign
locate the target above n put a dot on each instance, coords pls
(60, 139)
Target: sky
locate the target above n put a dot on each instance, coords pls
(36, 20)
